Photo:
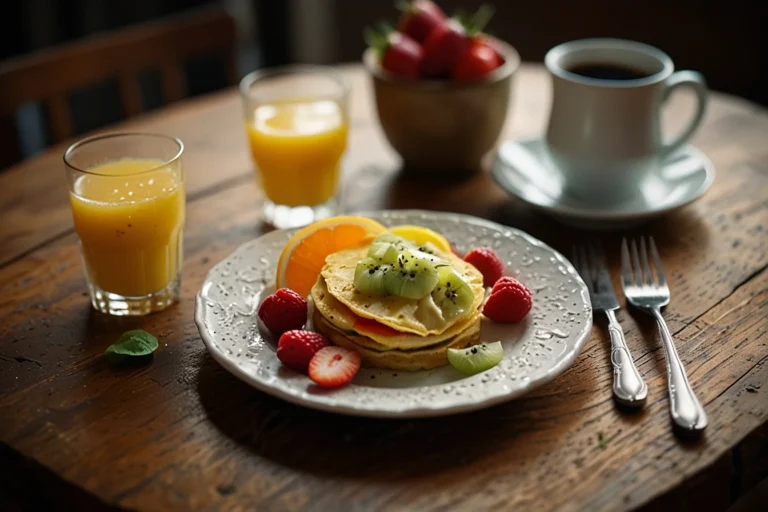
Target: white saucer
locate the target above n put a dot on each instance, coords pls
(523, 168)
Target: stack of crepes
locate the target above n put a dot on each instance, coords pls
(390, 331)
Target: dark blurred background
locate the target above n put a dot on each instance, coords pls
(725, 40)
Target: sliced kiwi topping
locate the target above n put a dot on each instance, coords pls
(370, 275)
(452, 294)
(411, 277)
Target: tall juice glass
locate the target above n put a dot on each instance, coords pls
(296, 122)
(126, 191)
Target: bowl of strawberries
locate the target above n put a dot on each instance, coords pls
(441, 86)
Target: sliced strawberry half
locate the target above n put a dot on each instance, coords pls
(333, 367)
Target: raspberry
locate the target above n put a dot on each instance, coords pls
(508, 302)
(297, 348)
(283, 311)
(486, 261)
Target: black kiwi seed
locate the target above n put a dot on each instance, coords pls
(413, 275)
(474, 350)
(372, 271)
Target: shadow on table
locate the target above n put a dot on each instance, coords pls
(324, 443)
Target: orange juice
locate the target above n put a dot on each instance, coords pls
(130, 225)
(297, 146)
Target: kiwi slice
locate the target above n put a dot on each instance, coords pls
(370, 275)
(476, 359)
(452, 294)
(386, 247)
(410, 277)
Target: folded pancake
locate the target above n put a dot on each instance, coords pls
(420, 317)
(341, 317)
(378, 356)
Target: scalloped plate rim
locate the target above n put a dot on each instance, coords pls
(566, 361)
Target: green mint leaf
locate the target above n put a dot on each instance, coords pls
(131, 344)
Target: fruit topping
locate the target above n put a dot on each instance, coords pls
(452, 294)
(283, 311)
(476, 359)
(508, 302)
(332, 367)
(412, 277)
(369, 276)
(488, 263)
(295, 349)
(422, 237)
(304, 255)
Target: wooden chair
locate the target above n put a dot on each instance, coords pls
(49, 75)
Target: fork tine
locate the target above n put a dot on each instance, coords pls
(657, 263)
(646, 267)
(626, 266)
(600, 253)
(636, 264)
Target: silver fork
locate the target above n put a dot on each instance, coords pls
(628, 386)
(650, 295)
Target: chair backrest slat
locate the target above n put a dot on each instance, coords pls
(130, 93)
(49, 75)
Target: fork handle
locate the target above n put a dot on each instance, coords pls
(628, 386)
(685, 408)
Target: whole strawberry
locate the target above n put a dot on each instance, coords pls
(297, 348)
(283, 310)
(488, 263)
(508, 302)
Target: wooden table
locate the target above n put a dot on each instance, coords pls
(181, 433)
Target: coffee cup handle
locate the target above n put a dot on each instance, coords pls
(696, 82)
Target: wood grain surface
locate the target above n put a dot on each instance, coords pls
(181, 433)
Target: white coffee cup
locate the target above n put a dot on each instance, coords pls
(604, 135)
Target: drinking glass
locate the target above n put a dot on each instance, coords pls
(296, 120)
(126, 191)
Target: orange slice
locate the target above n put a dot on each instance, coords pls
(304, 255)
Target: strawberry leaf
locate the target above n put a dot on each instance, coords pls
(131, 344)
(475, 23)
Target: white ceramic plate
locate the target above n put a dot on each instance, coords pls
(536, 351)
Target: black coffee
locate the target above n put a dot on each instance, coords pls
(608, 71)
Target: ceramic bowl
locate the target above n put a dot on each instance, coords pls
(443, 125)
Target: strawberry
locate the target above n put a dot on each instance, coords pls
(283, 310)
(479, 60)
(442, 49)
(508, 302)
(488, 263)
(450, 40)
(419, 18)
(297, 348)
(397, 53)
(332, 367)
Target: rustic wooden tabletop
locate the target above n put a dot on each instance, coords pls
(181, 433)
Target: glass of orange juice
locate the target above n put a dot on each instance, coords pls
(296, 122)
(126, 191)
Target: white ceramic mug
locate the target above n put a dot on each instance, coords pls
(604, 135)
